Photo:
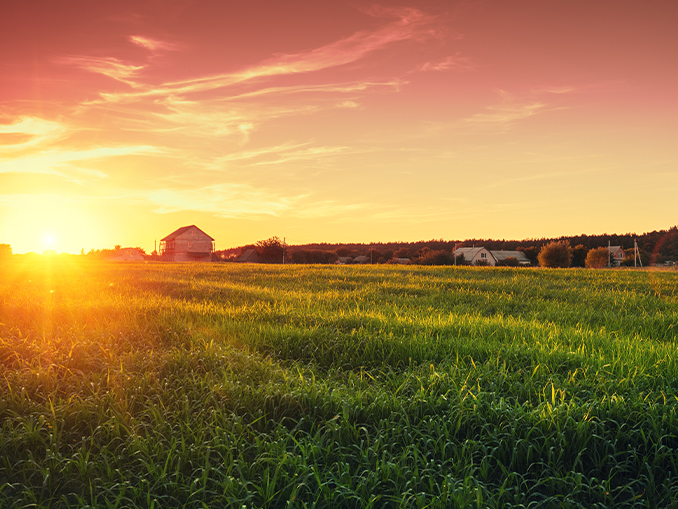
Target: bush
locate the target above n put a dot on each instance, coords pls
(510, 261)
(597, 258)
(429, 257)
(555, 254)
(579, 253)
(628, 260)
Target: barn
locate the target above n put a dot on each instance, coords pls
(187, 244)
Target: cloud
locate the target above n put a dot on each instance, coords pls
(411, 24)
(222, 200)
(348, 104)
(311, 153)
(33, 131)
(330, 88)
(231, 200)
(153, 44)
(510, 110)
(108, 66)
(451, 63)
(59, 162)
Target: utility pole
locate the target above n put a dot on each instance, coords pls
(609, 263)
(636, 254)
(283, 250)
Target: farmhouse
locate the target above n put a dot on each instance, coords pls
(126, 254)
(616, 255)
(187, 244)
(481, 256)
(475, 255)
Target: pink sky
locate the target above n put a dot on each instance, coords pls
(335, 121)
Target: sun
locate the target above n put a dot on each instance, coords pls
(49, 240)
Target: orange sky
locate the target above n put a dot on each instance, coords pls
(335, 121)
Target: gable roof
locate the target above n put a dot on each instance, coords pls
(183, 229)
(469, 252)
(503, 255)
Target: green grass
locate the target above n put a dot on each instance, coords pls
(162, 385)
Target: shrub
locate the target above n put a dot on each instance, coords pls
(510, 261)
(555, 254)
(597, 258)
(579, 253)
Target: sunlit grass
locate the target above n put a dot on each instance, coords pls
(158, 385)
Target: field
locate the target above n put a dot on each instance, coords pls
(216, 385)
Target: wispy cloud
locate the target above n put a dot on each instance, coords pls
(330, 88)
(61, 162)
(311, 153)
(222, 200)
(411, 24)
(153, 44)
(32, 132)
(452, 63)
(510, 110)
(108, 66)
(242, 200)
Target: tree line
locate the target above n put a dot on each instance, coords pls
(656, 247)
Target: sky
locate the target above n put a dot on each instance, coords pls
(341, 121)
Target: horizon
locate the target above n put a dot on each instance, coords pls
(51, 252)
(325, 122)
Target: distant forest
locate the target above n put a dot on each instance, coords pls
(658, 246)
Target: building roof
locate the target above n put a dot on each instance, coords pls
(468, 252)
(181, 230)
(503, 255)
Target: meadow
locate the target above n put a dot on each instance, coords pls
(222, 385)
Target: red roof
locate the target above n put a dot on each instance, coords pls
(184, 229)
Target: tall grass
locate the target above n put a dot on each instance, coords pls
(159, 385)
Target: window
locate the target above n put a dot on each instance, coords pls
(483, 255)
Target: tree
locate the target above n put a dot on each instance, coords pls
(630, 260)
(270, 250)
(597, 258)
(555, 254)
(403, 252)
(579, 253)
(532, 252)
(5, 250)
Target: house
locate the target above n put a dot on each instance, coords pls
(344, 260)
(518, 255)
(187, 244)
(616, 255)
(362, 259)
(126, 254)
(476, 255)
(249, 256)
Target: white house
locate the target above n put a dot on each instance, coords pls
(476, 255)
